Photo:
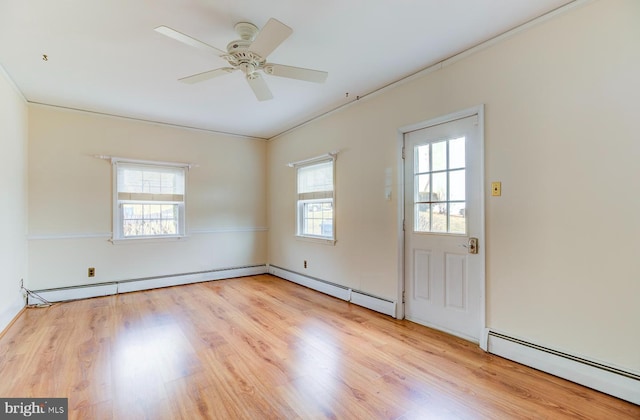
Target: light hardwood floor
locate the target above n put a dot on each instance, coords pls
(261, 348)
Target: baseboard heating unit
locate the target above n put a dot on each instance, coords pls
(619, 382)
(356, 297)
(147, 283)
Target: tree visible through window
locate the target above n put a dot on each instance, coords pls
(440, 192)
(149, 200)
(315, 212)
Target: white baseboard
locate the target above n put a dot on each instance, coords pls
(374, 303)
(330, 289)
(341, 292)
(105, 289)
(610, 380)
(155, 283)
(8, 315)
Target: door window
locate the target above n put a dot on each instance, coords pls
(439, 187)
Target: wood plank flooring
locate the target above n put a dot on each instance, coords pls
(263, 348)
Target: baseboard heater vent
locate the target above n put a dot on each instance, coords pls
(147, 283)
(366, 300)
(609, 379)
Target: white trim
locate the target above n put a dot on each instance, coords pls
(574, 368)
(155, 283)
(13, 85)
(374, 303)
(73, 293)
(125, 286)
(512, 32)
(327, 288)
(229, 230)
(107, 235)
(58, 236)
(316, 239)
(115, 159)
(442, 63)
(327, 156)
(400, 225)
(365, 300)
(152, 122)
(465, 113)
(11, 312)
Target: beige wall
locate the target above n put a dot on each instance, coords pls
(70, 215)
(561, 135)
(13, 206)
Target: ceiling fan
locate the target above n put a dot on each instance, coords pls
(249, 55)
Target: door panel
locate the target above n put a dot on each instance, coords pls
(444, 283)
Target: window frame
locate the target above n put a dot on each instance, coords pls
(320, 197)
(117, 229)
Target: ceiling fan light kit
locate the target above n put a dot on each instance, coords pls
(249, 55)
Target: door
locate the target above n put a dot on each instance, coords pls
(444, 247)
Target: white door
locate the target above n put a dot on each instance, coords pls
(444, 217)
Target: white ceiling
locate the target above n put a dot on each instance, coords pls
(104, 55)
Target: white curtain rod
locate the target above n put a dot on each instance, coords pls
(115, 159)
(331, 155)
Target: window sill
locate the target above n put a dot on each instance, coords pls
(147, 239)
(316, 239)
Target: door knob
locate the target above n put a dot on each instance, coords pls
(472, 246)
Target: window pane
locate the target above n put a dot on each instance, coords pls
(423, 192)
(422, 216)
(317, 218)
(457, 218)
(457, 185)
(457, 157)
(439, 217)
(439, 151)
(439, 187)
(149, 219)
(422, 158)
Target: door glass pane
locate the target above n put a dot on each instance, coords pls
(457, 218)
(439, 217)
(457, 153)
(439, 151)
(423, 187)
(439, 186)
(422, 158)
(422, 218)
(457, 185)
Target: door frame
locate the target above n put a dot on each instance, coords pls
(479, 110)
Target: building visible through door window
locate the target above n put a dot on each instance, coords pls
(440, 196)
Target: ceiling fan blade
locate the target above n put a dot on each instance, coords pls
(299, 73)
(268, 39)
(200, 77)
(259, 87)
(186, 39)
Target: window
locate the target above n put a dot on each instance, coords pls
(149, 201)
(440, 196)
(315, 211)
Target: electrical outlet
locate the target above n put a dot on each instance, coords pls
(496, 189)
(91, 272)
(305, 263)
